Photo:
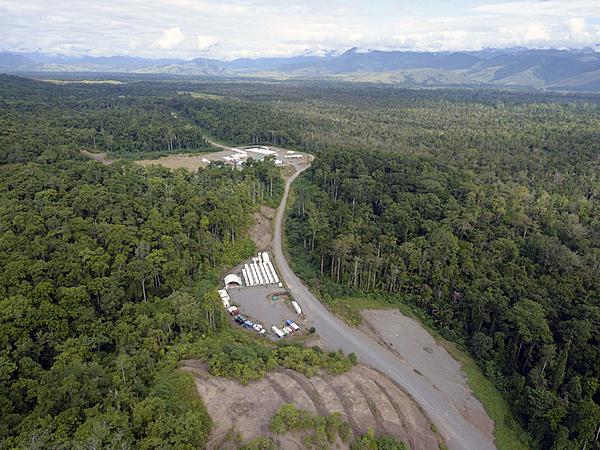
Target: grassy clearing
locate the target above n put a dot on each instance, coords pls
(156, 155)
(202, 95)
(349, 308)
(83, 81)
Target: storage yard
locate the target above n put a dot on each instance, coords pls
(257, 300)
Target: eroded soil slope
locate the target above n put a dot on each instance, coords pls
(363, 396)
(261, 230)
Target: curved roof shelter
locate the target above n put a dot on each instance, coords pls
(232, 279)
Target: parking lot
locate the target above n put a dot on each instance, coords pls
(261, 299)
(257, 302)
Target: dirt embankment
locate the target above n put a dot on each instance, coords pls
(261, 231)
(413, 344)
(363, 396)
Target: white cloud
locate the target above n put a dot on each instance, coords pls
(134, 44)
(206, 42)
(171, 38)
(233, 28)
(548, 8)
(537, 33)
(576, 26)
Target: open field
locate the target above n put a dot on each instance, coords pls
(177, 161)
(114, 82)
(363, 396)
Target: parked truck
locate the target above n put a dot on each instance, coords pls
(296, 307)
(280, 334)
(292, 325)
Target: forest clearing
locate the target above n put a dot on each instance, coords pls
(364, 397)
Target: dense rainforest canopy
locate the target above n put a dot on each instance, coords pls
(486, 215)
(481, 208)
(108, 277)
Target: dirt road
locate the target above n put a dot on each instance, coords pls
(454, 428)
(216, 144)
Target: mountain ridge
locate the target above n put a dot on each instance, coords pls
(520, 67)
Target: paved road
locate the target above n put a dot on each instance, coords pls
(334, 333)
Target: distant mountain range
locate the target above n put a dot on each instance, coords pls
(574, 70)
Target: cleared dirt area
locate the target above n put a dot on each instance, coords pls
(228, 155)
(407, 338)
(261, 230)
(189, 162)
(363, 396)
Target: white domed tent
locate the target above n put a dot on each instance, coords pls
(232, 279)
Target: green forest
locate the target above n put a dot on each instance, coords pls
(108, 277)
(480, 208)
(485, 215)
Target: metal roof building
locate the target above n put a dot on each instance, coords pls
(232, 279)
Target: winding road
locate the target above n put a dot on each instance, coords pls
(458, 433)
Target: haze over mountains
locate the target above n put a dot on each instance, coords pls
(576, 70)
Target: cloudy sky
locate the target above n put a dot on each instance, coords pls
(241, 28)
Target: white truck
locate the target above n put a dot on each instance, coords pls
(296, 307)
(280, 334)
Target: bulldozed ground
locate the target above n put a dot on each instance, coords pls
(413, 344)
(189, 162)
(364, 397)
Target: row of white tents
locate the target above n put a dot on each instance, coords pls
(260, 271)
